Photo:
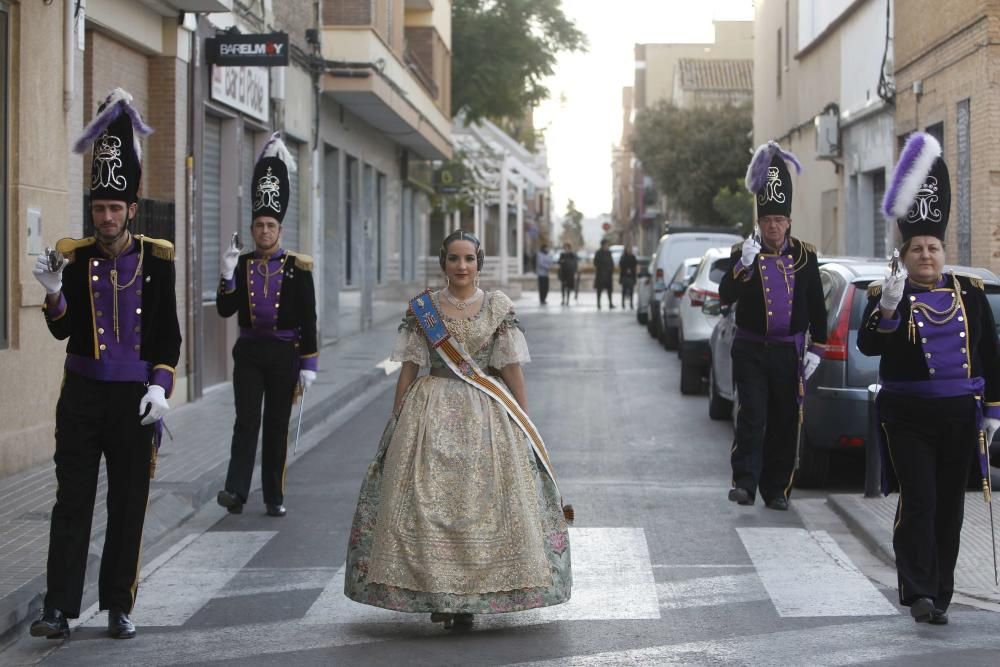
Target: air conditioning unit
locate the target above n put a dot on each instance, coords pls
(828, 134)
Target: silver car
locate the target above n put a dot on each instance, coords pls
(836, 403)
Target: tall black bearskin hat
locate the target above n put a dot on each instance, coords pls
(770, 181)
(919, 196)
(271, 187)
(116, 169)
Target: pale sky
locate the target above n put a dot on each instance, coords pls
(582, 118)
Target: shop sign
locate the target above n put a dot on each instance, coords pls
(243, 88)
(268, 50)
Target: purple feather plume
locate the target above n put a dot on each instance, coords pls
(116, 103)
(760, 162)
(915, 162)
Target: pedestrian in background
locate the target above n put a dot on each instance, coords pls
(543, 262)
(627, 267)
(271, 291)
(604, 271)
(568, 263)
(112, 295)
(940, 376)
(776, 287)
(459, 514)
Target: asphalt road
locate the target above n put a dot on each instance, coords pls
(666, 570)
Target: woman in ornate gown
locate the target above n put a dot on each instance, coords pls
(456, 514)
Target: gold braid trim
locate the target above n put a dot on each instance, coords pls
(162, 249)
(303, 262)
(874, 289)
(67, 247)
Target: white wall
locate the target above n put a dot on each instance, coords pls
(861, 48)
(816, 15)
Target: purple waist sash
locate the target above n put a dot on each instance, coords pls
(287, 335)
(950, 388)
(109, 371)
(792, 339)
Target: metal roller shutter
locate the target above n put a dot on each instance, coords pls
(290, 225)
(211, 181)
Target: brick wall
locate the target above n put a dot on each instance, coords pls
(347, 12)
(956, 63)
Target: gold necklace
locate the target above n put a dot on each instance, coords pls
(263, 270)
(117, 288)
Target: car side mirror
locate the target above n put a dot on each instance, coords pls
(725, 309)
(712, 306)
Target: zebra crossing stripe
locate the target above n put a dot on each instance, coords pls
(185, 583)
(612, 579)
(711, 591)
(807, 574)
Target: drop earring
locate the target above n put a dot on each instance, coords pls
(447, 282)
(477, 281)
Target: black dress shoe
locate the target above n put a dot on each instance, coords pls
(778, 503)
(230, 501)
(939, 617)
(740, 496)
(52, 625)
(276, 510)
(119, 625)
(922, 610)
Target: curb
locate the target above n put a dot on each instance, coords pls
(864, 526)
(170, 505)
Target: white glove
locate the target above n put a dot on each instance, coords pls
(306, 378)
(229, 260)
(156, 400)
(750, 250)
(892, 290)
(810, 362)
(50, 280)
(990, 425)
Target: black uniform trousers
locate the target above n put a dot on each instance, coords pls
(95, 418)
(263, 371)
(931, 454)
(767, 422)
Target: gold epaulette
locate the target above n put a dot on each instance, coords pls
(977, 283)
(874, 289)
(808, 247)
(67, 247)
(737, 246)
(304, 262)
(162, 248)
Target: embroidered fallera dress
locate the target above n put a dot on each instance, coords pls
(455, 513)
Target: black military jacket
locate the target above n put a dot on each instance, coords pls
(160, 342)
(297, 300)
(903, 358)
(808, 305)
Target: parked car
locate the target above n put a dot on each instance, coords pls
(670, 303)
(696, 322)
(673, 248)
(836, 402)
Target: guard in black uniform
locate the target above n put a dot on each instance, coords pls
(778, 296)
(940, 374)
(112, 295)
(271, 290)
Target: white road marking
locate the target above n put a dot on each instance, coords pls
(807, 574)
(711, 591)
(612, 579)
(841, 644)
(182, 585)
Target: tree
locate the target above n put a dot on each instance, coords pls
(501, 52)
(692, 154)
(735, 206)
(572, 227)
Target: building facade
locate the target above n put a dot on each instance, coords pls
(820, 67)
(947, 61)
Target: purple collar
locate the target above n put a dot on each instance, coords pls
(275, 256)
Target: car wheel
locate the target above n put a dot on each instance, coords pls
(690, 379)
(814, 464)
(641, 316)
(718, 407)
(670, 338)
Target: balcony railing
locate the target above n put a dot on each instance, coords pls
(423, 76)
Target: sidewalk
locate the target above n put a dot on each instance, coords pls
(871, 520)
(191, 468)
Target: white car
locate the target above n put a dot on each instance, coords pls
(695, 324)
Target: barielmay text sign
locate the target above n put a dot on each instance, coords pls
(267, 50)
(243, 88)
